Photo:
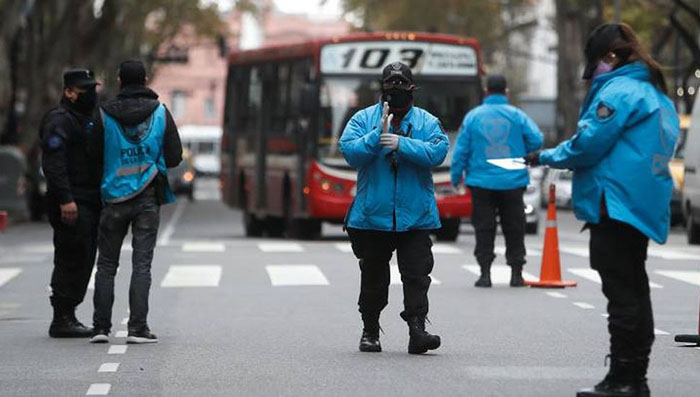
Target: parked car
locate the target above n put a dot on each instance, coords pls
(676, 166)
(204, 143)
(532, 199)
(562, 179)
(182, 177)
(690, 196)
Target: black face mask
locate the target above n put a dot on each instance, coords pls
(397, 98)
(86, 101)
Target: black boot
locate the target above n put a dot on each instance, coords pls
(516, 276)
(484, 280)
(420, 341)
(369, 342)
(626, 378)
(65, 325)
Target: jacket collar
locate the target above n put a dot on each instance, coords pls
(635, 70)
(136, 91)
(496, 99)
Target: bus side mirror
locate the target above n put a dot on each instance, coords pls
(309, 100)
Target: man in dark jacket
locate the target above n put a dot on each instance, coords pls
(73, 197)
(139, 143)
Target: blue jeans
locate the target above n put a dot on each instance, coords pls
(143, 214)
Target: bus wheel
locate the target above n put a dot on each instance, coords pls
(304, 229)
(253, 226)
(449, 230)
(275, 226)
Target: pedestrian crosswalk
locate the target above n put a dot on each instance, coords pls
(192, 276)
(592, 275)
(295, 275)
(7, 274)
(500, 274)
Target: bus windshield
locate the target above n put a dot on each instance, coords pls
(342, 97)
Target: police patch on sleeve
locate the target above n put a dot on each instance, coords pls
(54, 142)
(604, 111)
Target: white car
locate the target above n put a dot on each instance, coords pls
(562, 180)
(532, 199)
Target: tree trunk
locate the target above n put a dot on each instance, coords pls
(575, 19)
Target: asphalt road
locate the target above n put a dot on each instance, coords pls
(263, 317)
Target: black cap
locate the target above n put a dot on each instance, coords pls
(397, 69)
(132, 72)
(598, 45)
(79, 78)
(496, 83)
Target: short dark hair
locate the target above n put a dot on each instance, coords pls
(132, 72)
(496, 83)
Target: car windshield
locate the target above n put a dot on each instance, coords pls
(342, 97)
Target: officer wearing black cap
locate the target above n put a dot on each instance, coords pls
(622, 186)
(73, 177)
(394, 146)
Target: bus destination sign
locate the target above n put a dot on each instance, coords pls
(369, 57)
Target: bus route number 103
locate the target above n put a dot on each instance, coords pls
(375, 58)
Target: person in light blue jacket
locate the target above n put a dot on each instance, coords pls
(394, 146)
(496, 130)
(622, 189)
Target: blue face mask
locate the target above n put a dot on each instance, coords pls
(602, 68)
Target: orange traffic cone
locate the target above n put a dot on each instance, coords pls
(550, 273)
(692, 339)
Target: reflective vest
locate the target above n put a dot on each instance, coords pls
(133, 157)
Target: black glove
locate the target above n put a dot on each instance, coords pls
(533, 158)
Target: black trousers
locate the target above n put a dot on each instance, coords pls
(75, 247)
(508, 206)
(618, 252)
(415, 258)
(142, 213)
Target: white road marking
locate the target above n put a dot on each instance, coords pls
(280, 247)
(500, 274)
(7, 274)
(170, 227)
(109, 367)
(605, 315)
(671, 254)
(121, 334)
(125, 320)
(117, 349)
(501, 250)
(344, 247)
(446, 249)
(192, 276)
(396, 276)
(690, 277)
(23, 259)
(577, 251)
(294, 275)
(592, 275)
(98, 389)
(660, 332)
(203, 246)
(38, 249)
(556, 294)
(584, 305)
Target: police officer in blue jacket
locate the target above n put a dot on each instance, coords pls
(495, 130)
(139, 143)
(394, 147)
(621, 189)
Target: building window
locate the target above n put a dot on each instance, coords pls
(178, 104)
(210, 108)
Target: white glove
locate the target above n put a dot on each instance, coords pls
(386, 118)
(389, 141)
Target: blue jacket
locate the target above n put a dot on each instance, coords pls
(387, 200)
(491, 131)
(626, 134)
(133, 157)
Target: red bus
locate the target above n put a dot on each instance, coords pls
(286, 107)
